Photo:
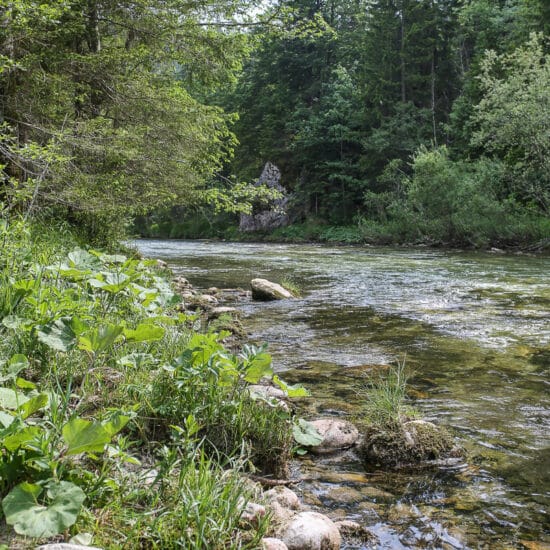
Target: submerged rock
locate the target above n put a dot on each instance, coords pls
(406, 443)
(354, 533)
(311, 531)
(337, 434)
(262, 289)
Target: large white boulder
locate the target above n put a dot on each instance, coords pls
(311, 531)
(262, 289)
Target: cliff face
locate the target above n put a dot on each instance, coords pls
(273, 215)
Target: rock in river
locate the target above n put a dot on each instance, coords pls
(262, 289)
(337, 434)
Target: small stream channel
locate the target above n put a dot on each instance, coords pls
(475, 330)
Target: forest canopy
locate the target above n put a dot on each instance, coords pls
(406, 120)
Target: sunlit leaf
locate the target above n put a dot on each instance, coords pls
(292, 391)
(144, 333)
(306, 434)
(32, 519)
(83, 436)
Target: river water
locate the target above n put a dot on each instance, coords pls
(474, 328)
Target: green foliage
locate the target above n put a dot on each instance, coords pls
(305, 433)
(97, 370)
(28, 517)
(513, 118)
(102, 115)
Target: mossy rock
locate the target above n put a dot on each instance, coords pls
(406, 444)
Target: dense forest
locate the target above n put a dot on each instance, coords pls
(396, 121)
(391, 121)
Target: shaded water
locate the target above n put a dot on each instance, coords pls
(475, 329)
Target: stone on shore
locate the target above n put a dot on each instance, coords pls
(265, 290)
(311, 531)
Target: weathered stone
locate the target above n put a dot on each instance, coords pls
(267, 391)
(270, 543)
(262, 289)
(181, 283)
(273, 397)
(212, 290)
(311, 531)
(342, 494)
(282, 503)
(65, 546)
(162, 264)
(275, 214)
(337, 434)
(354, 533)
(209, 299)
(283, 496)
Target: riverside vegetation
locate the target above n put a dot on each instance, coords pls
(118, 422)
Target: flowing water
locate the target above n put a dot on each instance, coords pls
(475, 330)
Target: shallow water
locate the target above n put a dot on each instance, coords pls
(475, 330)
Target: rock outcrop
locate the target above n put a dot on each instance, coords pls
(272, 215)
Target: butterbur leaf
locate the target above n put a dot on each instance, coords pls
(144, 333)
(10, 399)
(99, 339)
(24, 384)
(16, 364)
(81, 259)
(58, 335)
(83, 436)
(6, 420)
(259, 366)
(34, 404)
(306, 434)
(32, 519)
(117, 421)
(21, 437)
(82, 539)
(291, 391)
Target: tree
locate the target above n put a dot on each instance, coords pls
(513, 118)
(110, 90)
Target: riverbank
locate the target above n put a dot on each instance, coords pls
(130, 410)
(533, 237)
(124, 421)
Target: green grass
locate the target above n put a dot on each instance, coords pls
(385, 397)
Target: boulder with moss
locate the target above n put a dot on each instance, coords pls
(406, 443)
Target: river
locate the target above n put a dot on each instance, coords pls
(473, 328)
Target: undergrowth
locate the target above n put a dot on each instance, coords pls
(119, 424)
